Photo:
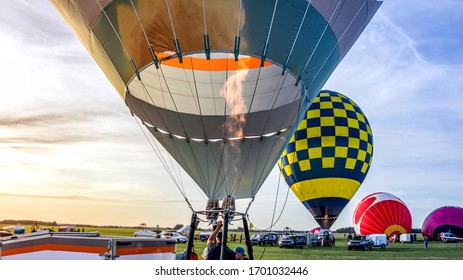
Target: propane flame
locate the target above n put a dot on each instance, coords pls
(235, 105)
(236, 108)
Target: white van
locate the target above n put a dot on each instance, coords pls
(379, 240)
(406, 238)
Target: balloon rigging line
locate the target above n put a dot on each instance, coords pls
(337, 42)
(178, 174)
(204, 16)
(282, 209)
(120, 40)
(114, 29)
(227, 170)
(178, 180)
(239, 17)
(257, 82)
(195, 91)
(306, 106)
(90, 28)
(272, 223)
(239, 20)
(173, 101)
(242, 174)
(141, 25)
(320, 39)
(148, 96)
(252, 98)
(350, 23)
(195, 158)
(150, 47)
(225, 88)
(297, 36)
(236, 187)
(273, 214)
(173, 142)
(174, 166)
(164, 163)
(254, 184)
(171, 21)
(218, 163)
(264, 51)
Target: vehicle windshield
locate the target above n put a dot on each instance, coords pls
(358, 237)
(288, 237)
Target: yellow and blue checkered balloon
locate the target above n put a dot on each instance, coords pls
(329, 155)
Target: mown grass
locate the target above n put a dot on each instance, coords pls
(394, 251)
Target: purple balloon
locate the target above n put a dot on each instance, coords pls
(444, 219)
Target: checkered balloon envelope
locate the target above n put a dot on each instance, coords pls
(329, 155)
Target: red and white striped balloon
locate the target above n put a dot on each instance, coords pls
(381, 213)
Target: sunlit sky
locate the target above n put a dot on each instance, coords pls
(71, 152)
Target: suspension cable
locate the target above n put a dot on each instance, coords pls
(282, 209)
(297, 36)
(137, 73)
(319, 40)
(337, 42)
(164, 163)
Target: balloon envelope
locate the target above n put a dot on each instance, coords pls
(329, 155)
(443, 219)
(218, 83)
(380, 213)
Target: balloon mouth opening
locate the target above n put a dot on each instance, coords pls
(216, 140)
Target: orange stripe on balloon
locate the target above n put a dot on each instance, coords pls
(217, 64)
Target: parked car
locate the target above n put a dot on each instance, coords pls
(292, 241)
(444, 237)
(264, 239)
(175, 235)
(315, 242)
(269, 239)
(255, 238)
(204, 236)
(360, 242)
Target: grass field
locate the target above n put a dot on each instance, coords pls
(394, 251)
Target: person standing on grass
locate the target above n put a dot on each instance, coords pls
(425, 240)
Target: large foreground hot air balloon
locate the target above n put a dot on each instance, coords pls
(329, 155)
(443, 219)
(380, 213)
(219, 83)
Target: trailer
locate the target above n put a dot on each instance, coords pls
(407, 238)
(379, 240)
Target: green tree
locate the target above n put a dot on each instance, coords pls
(178, 226)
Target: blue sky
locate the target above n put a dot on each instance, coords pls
(71, 152)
